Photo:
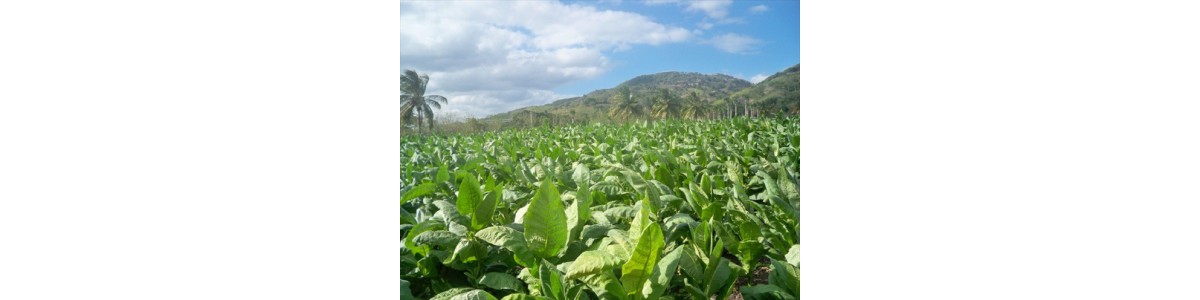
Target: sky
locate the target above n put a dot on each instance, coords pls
(489, 57)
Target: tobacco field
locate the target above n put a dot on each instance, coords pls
(671, 209)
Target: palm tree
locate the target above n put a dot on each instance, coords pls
(693, 108)
(414, 102)
(665, 105)
(623, 106)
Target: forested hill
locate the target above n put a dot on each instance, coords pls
(778, 93)
(594, 105)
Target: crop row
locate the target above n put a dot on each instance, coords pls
(649, 210)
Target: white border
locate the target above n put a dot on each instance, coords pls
(1000, 150)
(199, 150)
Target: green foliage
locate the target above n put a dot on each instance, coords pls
(592, 262)
(779, 93)
(646, 210)
(631, 100)
(463, 294)
(641, 262)
(502, 281)
(783, 284)
(660, 280)
(469, 196)
(546, 222)
(418, 191)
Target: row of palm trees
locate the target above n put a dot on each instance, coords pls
(664, 105)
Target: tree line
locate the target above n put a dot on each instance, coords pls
(416, 108)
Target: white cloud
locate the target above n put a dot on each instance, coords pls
(758, 78)
(758, 9)
(734, 43)
(716, 9)
(487, 59)
(481, 103)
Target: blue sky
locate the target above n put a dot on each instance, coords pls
(489, 57)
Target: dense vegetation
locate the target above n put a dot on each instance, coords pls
(669, 209)
(645, 89)
(708, 97)
(777, 93)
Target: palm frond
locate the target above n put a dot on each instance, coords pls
(437, 98)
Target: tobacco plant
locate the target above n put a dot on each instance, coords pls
(662, 210)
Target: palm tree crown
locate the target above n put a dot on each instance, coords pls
(665, 105)
(414, 102)
(693, 107)
(623, 106)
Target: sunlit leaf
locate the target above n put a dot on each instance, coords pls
(546, 222)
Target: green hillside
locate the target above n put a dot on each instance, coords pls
(724, 96)
(778, 93)
(594, 106)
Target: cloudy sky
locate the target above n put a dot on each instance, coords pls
(490, 57)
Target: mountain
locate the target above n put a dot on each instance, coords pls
(593, 106)
(778, 93)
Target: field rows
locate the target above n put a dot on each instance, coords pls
(649, 210)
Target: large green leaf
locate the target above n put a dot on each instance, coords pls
(581, 209)
(469, 196)
(778, 197)
(749, 251)
(509, 239)
(641, 220)
(483, 213)
(546, 222)
(502, 281)
(663, 272)
(427, 225)
(467, 251)
(592, 262)
(594, 231)
(405, 290)
(443, 174)
(690, 266)
(445, 295)
(722, 278)
(551, 281)
(439, 238)
(605, 285)
(473, 295)
(793, 256)
(523, 297)
(641, 262)
(419, 191)
(785, 276)
(622, 245)
(580, 174)
(501, 236)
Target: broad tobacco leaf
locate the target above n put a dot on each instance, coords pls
(546, 222)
